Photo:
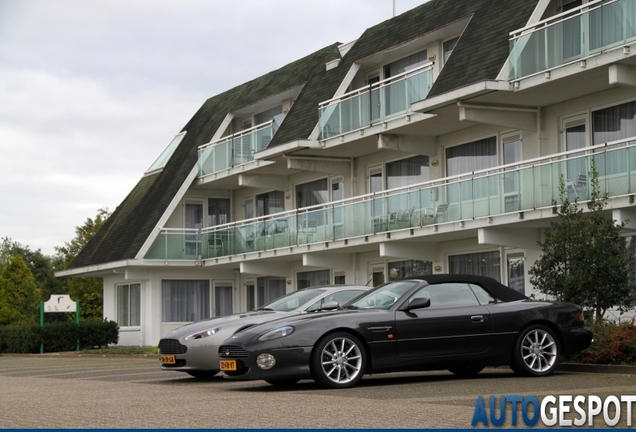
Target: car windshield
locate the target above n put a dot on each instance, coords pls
(292, 300)
(383, 296)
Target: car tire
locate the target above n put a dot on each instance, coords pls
(282, 383)
(203, 374)
(467, 371)
(536, 351)
(338, 361)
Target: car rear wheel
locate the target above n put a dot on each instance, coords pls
(283, 382)
(202, 374)
(466, 371)
(338, 361)
(536, 351)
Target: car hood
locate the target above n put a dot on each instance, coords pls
(234, 322)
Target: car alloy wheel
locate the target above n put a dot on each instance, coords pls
(537, 352)
(338, 361)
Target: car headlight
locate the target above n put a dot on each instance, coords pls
(203, 334)
(276, 334)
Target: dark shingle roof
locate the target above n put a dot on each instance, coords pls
(479, 55)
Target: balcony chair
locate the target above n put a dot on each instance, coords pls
(215, 246)
(578, 184)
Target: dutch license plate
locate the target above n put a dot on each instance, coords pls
(168, 359)
(228, 365)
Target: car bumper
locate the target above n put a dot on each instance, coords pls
(197, 358)
(575, 339)
(291, 363)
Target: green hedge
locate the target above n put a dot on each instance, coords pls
(58, 336)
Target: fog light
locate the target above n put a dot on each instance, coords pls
(265, 361)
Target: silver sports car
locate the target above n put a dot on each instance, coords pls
(194, 347)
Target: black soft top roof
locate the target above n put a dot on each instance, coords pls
(496, 289)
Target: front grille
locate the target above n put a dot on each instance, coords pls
(171, 346)
(179, 363)
(232, 351)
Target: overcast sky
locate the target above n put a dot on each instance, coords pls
(92, 91)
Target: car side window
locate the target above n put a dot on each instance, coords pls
(341, 297)
(448, 295)
(482, 295)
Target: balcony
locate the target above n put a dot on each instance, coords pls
(572, 36)
(374, 104)
(233, 150)
(505, 189)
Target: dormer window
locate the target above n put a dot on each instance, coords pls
(165, 155)
(275, 114)
(448, 47)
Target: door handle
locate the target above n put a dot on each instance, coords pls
(477, 318)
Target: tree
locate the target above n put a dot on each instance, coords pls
(584, 258)
(88, 291)
(19, 295)
(41, 267)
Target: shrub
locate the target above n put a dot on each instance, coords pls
(614, 343)
(98, 334)
(57, 336)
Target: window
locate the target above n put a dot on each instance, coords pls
(339, 278)
(614, 123)
(218, 211)
(448, 47)
(516, 272)
(270, 203)
(193, 220)
(129, 305)
(269, 288)
(466, 158)
(223, 298)
(250, 291)
(341, 297)
(275, 114)
(406, 269)
(448, 295)
(407, 171)
(313, 278)
(185, 300)
(312, 193)
(511, 183)
(164, 157)
(481, 264)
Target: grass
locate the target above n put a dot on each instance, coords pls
(117, 350)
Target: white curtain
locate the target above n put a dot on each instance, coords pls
(185, 300)
(481, 264)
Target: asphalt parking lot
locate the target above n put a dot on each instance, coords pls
(73, 391)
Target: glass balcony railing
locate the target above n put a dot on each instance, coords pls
(524, 186)
(376, 103)
(235, 149)
(593, 28)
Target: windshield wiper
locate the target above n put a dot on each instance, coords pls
(264, 309)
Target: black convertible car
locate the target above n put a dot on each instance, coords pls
(457, 322)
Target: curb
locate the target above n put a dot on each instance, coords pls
(595, 368)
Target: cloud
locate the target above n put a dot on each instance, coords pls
(93, 91)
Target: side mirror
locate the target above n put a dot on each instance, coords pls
(330, 305)
(418, 303)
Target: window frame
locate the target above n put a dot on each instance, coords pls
(128, 305)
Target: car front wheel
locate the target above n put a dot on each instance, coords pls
(536, 351)
(338, 361)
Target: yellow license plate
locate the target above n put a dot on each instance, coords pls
(228, 365)
(168, 359)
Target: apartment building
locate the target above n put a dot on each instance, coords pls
(434, 143)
